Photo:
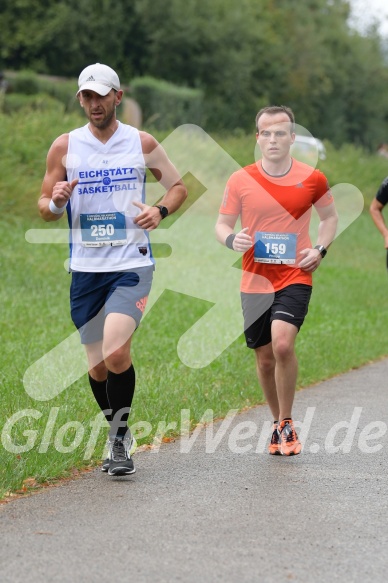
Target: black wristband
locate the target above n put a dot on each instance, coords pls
(229, 241)
(322, 250)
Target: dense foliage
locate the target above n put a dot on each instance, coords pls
(240, 55)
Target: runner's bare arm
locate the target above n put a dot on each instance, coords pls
(328, 220)
(376, 211)
(165, 172)
(55, 186)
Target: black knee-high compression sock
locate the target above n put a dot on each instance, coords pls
(120, 390)
(99, 392)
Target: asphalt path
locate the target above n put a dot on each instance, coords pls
(219, 508)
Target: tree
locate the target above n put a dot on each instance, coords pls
(240, 55)
(60, 38)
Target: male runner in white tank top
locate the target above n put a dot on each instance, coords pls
(97, 175)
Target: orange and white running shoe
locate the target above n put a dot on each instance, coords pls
(289, 442)
(274, 446)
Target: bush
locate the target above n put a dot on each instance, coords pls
(165, 105)
(62, 89)
(25, 82)
(355, 165)
(39, 102)
(28, 83)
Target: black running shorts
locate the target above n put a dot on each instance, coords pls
(289, 304)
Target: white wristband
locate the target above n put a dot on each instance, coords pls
(56, 210)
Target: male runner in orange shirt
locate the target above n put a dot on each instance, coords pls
(273, 198)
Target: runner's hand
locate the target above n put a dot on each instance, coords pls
(149, 218)
(62, 192)
(242, 241)
(311, 260)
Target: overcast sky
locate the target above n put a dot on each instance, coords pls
(365, 10)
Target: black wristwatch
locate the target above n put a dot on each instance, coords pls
(322, 250)
(163, 210)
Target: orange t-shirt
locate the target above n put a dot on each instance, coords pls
(275, 209)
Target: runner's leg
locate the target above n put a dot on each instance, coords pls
(265, 367)
(116, 347)
(286, 369)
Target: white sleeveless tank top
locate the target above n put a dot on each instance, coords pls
(103, 236)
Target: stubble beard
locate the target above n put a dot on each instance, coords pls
(105, 122)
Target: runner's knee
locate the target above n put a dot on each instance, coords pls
(265, 361)
(118, 360)
(283, 349)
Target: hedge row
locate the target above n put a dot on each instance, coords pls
(26, 89)
(164, 105)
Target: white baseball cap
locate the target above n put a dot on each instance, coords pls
(99, 78)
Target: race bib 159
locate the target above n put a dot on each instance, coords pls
(275, 248)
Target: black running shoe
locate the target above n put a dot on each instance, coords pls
(105, 465)
(120, 451)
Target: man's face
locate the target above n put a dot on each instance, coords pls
(274, 136)
(100, 109)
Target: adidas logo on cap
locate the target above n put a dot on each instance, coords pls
(99, 78)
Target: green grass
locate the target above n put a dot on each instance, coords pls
(346, 326)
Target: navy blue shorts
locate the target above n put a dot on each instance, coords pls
(289, 304)
(94, 295)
